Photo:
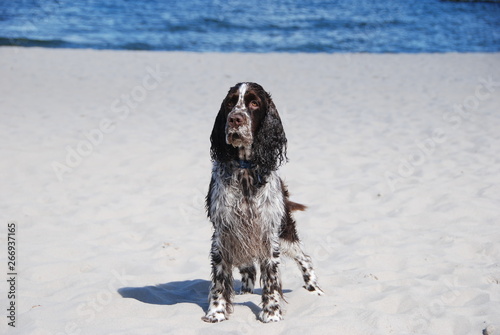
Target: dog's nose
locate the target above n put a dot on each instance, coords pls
(235, 120)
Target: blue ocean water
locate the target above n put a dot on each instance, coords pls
(259, 26)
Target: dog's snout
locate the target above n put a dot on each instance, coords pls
(235, 120)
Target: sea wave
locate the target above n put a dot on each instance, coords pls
(271, 26)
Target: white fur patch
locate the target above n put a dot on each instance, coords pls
(241, 99)
(239, 216)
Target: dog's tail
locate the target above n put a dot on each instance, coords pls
(293, 206)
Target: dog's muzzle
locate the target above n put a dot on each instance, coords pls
(238, 129)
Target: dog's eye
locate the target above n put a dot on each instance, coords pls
(254, 104)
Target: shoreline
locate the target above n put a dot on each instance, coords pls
(248, 53)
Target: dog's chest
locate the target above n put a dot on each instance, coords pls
(235, 200)
(245, 220)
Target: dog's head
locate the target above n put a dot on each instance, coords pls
(248, 127)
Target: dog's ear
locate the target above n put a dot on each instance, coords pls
(220, 150)
(270, 142)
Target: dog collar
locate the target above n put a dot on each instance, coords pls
(243, 164)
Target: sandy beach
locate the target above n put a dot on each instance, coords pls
(105, 166)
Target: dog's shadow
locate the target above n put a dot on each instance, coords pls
(178, 292)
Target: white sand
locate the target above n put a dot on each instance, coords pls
(403, 190)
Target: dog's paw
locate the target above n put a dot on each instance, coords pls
(270, 316)
(314, 289)
(214, 317)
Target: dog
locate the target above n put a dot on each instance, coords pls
(248, 204)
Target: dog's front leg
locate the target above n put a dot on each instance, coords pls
(271, 291)
(222, 290)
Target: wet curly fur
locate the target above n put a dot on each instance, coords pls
(248, 204)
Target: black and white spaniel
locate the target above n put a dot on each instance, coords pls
(248, 204)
